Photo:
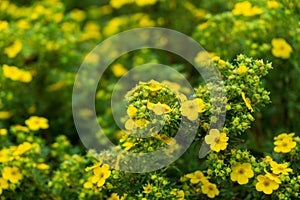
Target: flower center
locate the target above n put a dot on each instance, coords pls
(266, 183)
(241, 171)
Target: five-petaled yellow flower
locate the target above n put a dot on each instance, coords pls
(35, 123)
(241, 173)
(12, 174)
(216, 140)
(147, 188)
(280, 168)
(284, 143)
(210, 189)
(14, 49)
(281, 49)
(153, 86)
(266, 185)
(101, 174)
(191, 108)
(196, 177)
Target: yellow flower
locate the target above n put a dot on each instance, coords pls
(247, 102)
(22, 148)
(180, 195)
(114, 196)
(145, 2)
(3, 131)
(3, 25)
(273, 177)
(100, 175)
(216, 140)
(12, 174)
(97, 164)
(118, 70)
(35, 123)
(159, 108)
(241, 173)
(191, 108)
(131, 111)
(5, 155)
(210, 189)
(14, 49)
(3, 185)
(242, 69)
(245, 8)
(147, 189)
(153, 86)
(280, 168)
(266, 185)
(16, 74)
(284, 143)
(273, 4)
(5, 115)
(281, 49)
(196, 177)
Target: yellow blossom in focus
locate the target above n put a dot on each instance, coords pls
(153, 86)
(100, 175)
(241, 173)
(242, 69)
(273, 177)
(284, 143)
(280, 168)
(191, 108)
(210, 189)
(36, 123)
(14, 49)
(97, 164)
(3, 131)
(3, 25)
(147, 189)
(216, 140)
(247, 102)
(114, 196)
(3, 185)
(118, 70)
(196, 177)
(145, 2)
(12, 174)
(273, 4)
(281, 49)
(266, 185)
(5, 115)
